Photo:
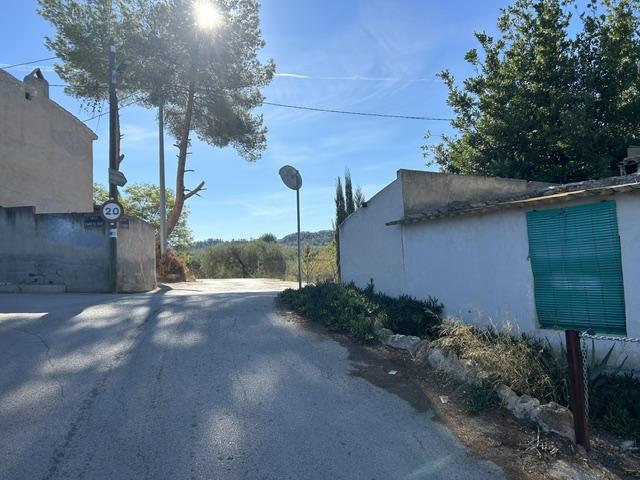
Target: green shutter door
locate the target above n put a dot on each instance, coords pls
(577, 268)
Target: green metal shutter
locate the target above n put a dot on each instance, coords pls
(577, 268)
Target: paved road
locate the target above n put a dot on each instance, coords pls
(203, 382)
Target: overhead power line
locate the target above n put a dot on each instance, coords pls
(28, 63)
(365, 114)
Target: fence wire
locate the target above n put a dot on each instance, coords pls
(585, 367)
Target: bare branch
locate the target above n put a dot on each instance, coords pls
(195, 191)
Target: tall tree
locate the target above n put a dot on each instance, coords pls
(348, 193)
(537, 108)
(208, 79)
(84, 32)
(341, 214)
(358, 198)
(215, 84)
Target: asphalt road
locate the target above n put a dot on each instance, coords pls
(204, 382)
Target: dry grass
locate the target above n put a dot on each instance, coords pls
(512, 360)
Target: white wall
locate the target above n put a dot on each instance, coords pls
(371, 250)
(478, 267)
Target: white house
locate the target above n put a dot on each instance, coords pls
(543, 257)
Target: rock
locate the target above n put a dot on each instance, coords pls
(383, 334)
(452, 365)
(402, 342)
(378, 327)
(526, 407)
(628, 445)
(563, 470)
(422, 353)
(508, 397)
(555, 418)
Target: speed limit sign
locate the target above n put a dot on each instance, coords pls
(111, 211)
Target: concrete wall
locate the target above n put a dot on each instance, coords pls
(70, 250)
(431, 190)
(45, 152)
(371, 250)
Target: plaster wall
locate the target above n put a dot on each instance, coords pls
(59, 249)
(370, 250)
(431, 190)
(45, 152)
(478, 266)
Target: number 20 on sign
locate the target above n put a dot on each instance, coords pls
(111, 211)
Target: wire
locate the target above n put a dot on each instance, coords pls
(27, 63)
(366, 114)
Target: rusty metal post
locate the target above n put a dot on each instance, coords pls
(576, 385)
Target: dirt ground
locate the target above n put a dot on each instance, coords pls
(518, 447)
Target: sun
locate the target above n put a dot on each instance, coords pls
(207, 15)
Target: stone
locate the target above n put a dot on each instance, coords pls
(555, 418)
(408, 343)
(422, 353)
(508, 397)
(378, 327)
(526, 407)
(628, 445)
(383, 334)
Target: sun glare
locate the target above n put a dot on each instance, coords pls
(207, 15)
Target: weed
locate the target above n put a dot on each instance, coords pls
(480, 397)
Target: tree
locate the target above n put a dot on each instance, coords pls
(269, 238)
(142, 200)
(358, 198)
(84, 31)
(214, 83)
(341, 214)
(544, 105)
(348, 193)
(209, 82)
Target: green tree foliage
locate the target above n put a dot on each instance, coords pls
(209, 81)
(341, 214)
(543, 104)
(269, 238)
(142, 200)
(256, 259)
(358, 198)
(348, 193)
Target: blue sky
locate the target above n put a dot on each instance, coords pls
(365, 55)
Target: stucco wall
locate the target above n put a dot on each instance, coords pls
(45, 153)
(431, 190)
(371, 250)
(478, 266)
(62, 249)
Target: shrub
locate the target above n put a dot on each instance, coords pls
(614, 404)
(514, 361)
(353, 310)
(480, 397)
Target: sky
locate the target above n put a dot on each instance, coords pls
(378, 56)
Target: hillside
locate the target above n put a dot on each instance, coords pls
(319, 238)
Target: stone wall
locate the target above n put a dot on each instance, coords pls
(72, 249)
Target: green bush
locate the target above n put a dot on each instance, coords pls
(352, 310)
(614, 404)
(480, 397)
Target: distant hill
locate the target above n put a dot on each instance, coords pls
(319, 238)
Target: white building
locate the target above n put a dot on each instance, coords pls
(544, 258)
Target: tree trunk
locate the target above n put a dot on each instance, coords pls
(183, 146)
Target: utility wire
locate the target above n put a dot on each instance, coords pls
(365, 114)
(27, 63)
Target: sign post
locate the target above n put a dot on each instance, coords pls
(292, 179)
(113, 167)
(576, 386)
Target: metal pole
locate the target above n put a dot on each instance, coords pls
(299, 262)
(576, 385)
(163, 200)
(113, 163)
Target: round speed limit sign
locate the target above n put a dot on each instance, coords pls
(111, 211)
